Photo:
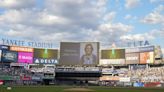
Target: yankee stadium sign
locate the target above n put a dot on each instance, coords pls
(25, 43)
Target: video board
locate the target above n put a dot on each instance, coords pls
(45, 56)
(79, 53)
(113, 56)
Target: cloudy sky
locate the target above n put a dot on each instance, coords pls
(105, 21)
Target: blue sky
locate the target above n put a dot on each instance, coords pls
(105, 21)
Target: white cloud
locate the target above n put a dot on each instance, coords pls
(156, 1)
(64, 20)
(13, 16)
(131, 3)
(159, 8)
(16, 4)
(151, 35)
(50, 19)
(128, 16)
(115, 27)
(109, 16)
(81, 13)
(156, 17)
(32, 18)
(157, 32)
(136, 37)
(108, 33)
(101, 3)
(23, 31)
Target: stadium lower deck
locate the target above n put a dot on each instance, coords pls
(112, 76)
(117, 67)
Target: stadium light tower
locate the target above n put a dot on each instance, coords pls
(113, 45)
(45, 53)
(113, 50)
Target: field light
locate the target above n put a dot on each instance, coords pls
(113, 53)
(45, 53)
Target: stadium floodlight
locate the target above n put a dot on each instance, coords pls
(45, 53)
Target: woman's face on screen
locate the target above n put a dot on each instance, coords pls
(88, 50)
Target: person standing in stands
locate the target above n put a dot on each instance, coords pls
(88, 57)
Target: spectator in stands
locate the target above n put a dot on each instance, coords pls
(89, 57)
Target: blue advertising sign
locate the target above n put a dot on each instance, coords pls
(4, 47)
(9, 56)
(146, 49)
(138, 84)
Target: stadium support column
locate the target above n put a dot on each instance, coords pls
(129, 67)
(112, 67)
(2, 65)
(147, 66)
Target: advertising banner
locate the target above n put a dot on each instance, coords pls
(111, 61)
(4, 47)
(25, 78)
(153, 84)
(9, 56)
(25, 57)
(21, 49)
(132, 58)
(1, 82)
(138, 84)
(25, 65)
(136, 67)
(36, 78)
(147, 57)
(45, 56)
(109, 78)
(146, 49)
(124, 79)
(107, 71)
(79, 53)
(113, 56)
(132, 50)
(6, 77)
